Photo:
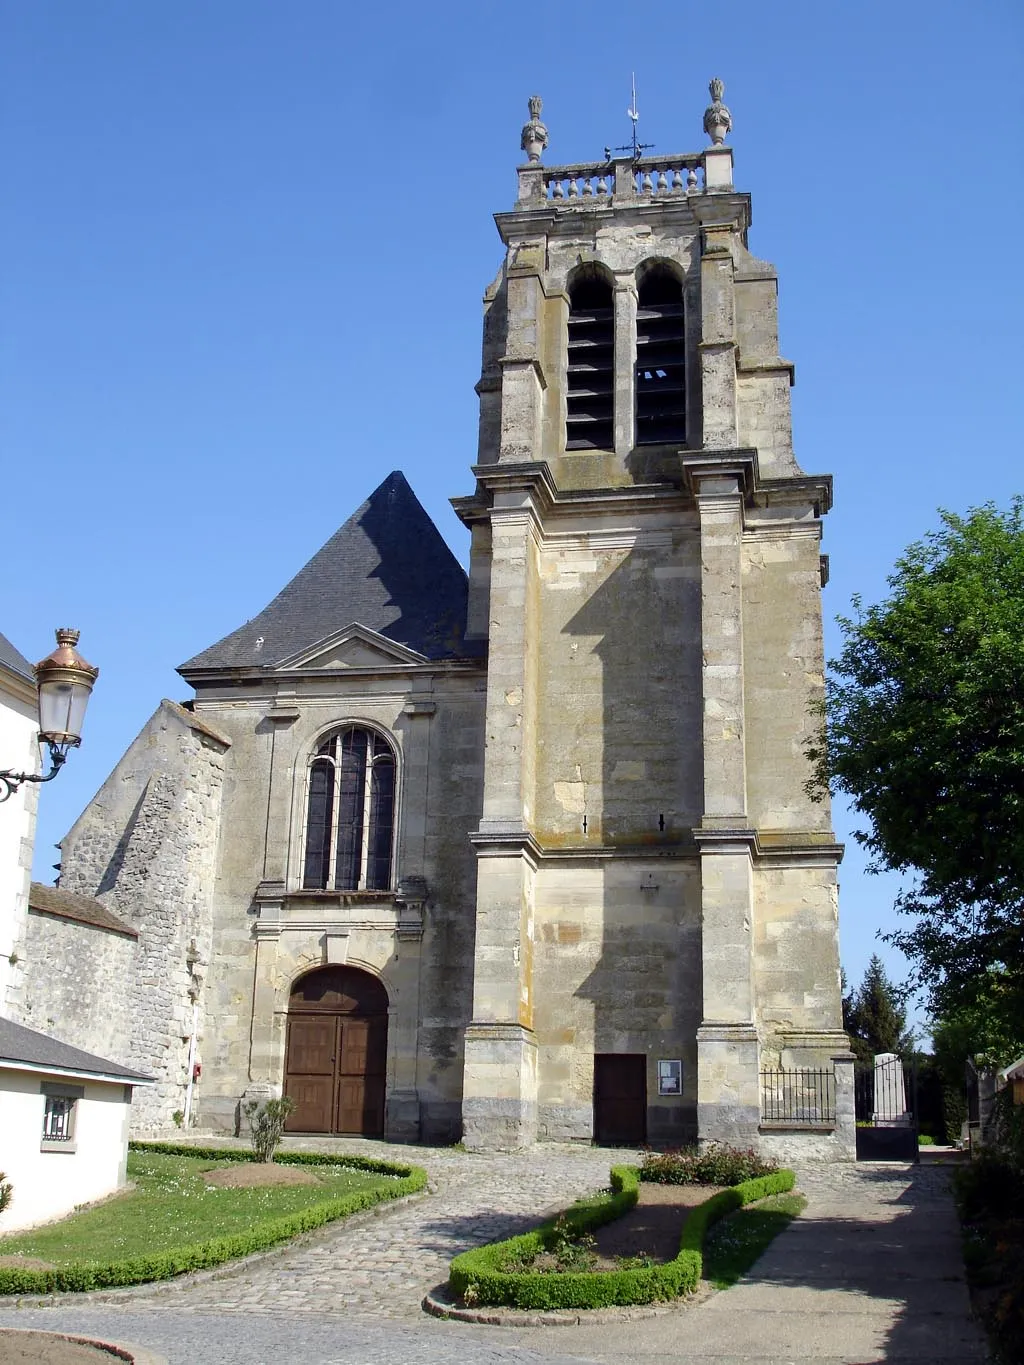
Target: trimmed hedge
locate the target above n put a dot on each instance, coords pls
(201, 1255)
(476, 1276)
(357, 1163)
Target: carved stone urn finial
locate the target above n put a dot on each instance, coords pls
(717, 119)
(535, 135)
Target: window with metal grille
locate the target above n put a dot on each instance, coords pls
(58, 1118)
(660, 360)
(590, 386)
(350, 813)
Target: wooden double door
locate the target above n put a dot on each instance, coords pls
(336, 1053)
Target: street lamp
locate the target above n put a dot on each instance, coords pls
(64, 681)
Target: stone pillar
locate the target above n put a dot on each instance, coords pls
(500, 1081)
(625, 301)
(522, 377)
(499, 1102)
(280, 718)
(718, 340)
(269, 1022)
(728, 1099)
(402, 1111)
(846, 1109)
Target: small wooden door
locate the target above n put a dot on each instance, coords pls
(620, 1099)
(336, 1053)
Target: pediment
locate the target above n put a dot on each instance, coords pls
(354, 647)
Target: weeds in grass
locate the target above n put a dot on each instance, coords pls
(641, 1261)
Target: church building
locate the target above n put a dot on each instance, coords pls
(524, 855)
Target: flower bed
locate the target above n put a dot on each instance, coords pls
(484, 1276)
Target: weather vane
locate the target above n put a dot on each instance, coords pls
(635, 147)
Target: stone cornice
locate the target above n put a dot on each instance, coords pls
(701, 465)
(268, 678)
(534, 480)
(339, 913)
(776, 847)
(772, 846)
(567, 218)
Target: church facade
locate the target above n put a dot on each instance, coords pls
(524, 855)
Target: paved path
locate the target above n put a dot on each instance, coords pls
(870, 1273)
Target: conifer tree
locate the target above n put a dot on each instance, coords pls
(875, 1017)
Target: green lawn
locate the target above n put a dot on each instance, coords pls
(172, 1206)
(734, 1244)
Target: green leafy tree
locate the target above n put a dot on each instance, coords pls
(6, 1192)
(925, 734)
(875, 1016)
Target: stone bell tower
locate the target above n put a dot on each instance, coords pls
(656, 921)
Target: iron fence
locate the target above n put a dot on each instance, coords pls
(802, 1097)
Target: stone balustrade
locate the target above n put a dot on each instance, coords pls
(622, 179)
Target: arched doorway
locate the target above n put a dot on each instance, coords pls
(336, 1052)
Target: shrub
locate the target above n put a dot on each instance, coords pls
(716, 1164)
(266, 1124)
(486, 1275)
(6, 1192)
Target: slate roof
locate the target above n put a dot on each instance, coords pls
(14, 660)
(52, 900)
(20, 1044)
(386, 569)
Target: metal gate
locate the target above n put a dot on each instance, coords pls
(885, 1096)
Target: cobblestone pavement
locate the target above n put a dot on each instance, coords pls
(379, 1264)
(857, 1290)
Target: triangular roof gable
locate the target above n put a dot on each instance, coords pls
(387, 569)
(353, 647)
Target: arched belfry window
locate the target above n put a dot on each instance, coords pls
(660, 359)
(590, 387)
(350, 813)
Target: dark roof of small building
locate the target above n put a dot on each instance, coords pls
(14, 660)
(51, 900)
(25, 1045)
(387, 569)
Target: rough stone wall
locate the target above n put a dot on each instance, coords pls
(146, 847)
(76, 986)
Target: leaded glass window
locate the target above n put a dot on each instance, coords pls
(350, 813)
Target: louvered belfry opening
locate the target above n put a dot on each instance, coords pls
(660, 360)
(590, 392)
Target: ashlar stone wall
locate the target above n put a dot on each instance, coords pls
(268, 930)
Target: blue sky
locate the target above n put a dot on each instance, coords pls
(244, 245)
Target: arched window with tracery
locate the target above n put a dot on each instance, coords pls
(350, 813)
(660, 359)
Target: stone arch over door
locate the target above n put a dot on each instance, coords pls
(336, 1052)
